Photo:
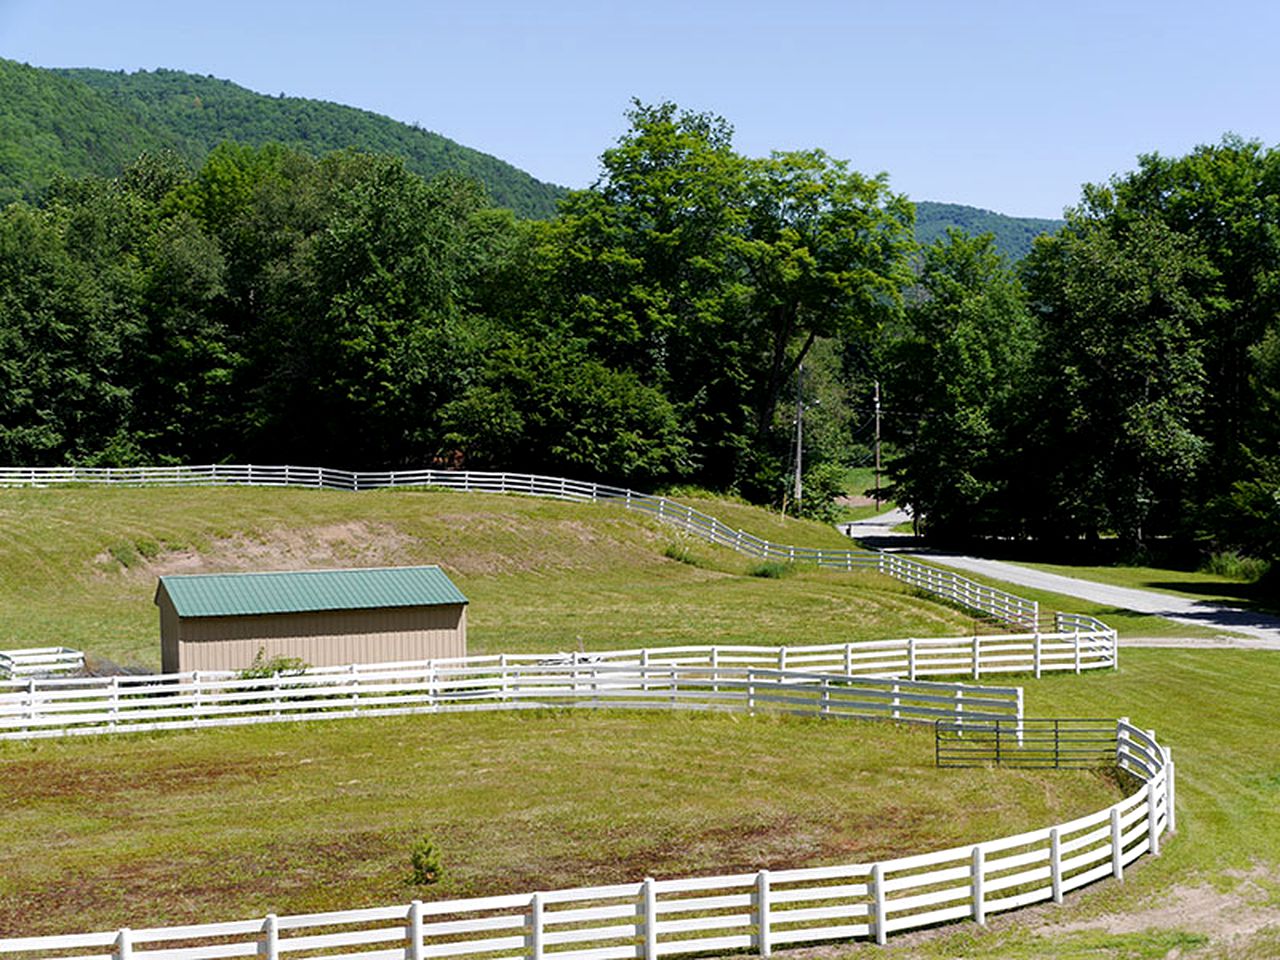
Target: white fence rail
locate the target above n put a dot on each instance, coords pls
(998, 604)
(659, 918)
(60, 708)
(40, 661)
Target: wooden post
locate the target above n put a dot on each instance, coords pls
(649, 909)
(1153, 824)
(1117, 851)
(269, 948)
(114, 709)
(764, 946)
(976, 875)
(1055, 864)
(415, 931)
(879, 912)
(535, 927)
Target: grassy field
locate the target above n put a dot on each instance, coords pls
(168, 827)
(78, 567)
(160, 829)
(1194, 585)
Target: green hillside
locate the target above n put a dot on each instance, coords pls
(1013, 234)
(80, 121)
(52, 125)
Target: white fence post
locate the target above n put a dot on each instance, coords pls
(275, 693)
(114, 709)
(649, 908)
(355, 689)
(415, 930)
(1077, 642)
(764, 945)
(1153, 824)
(269, 948)
(911, 658)
(1055, 864)
(124, 944)
(976, 878)
(1170, 794)
(977, 665)
(848, 659)
(878, 910)
(897, 702)
(535, 927)
(1117, 851)
(1035, 654)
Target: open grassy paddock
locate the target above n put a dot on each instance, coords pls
(205, 825)
(184, 827)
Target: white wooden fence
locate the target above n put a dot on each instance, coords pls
(652, 918)
(73, 707)
(998, 604)
(40, 661)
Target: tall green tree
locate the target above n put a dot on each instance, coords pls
(954, 380)
(1120, 378)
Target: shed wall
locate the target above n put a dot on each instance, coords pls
(321, 638)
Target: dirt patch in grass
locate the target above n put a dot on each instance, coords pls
(1242, 909)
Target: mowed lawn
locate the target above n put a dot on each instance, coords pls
(78, 567)
(189, 826)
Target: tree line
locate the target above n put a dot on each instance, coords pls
(273, 306)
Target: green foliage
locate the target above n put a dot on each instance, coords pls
(426, 862)
(772, 570)
(75, 122)
(1012, 236)
(264, 667)
(1230, 564)
(954, 377)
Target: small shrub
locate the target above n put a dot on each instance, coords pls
(680, 552)
(772, 570)
(147, 548)
(424, 858)
(262, 667)
(1234, 566)
(124, 553)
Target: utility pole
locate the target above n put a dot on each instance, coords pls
(877, 446)
(799, 486)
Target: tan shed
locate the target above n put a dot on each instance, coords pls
(219, 621)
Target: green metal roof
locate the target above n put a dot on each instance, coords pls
(246, 594)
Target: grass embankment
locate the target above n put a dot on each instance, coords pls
(211, 825)
(78, 567)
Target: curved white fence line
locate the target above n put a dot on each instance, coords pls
(76, 707)
(657, 918)
(999, 604)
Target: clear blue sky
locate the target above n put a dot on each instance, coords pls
(1004, 105)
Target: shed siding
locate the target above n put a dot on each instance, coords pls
(170, 631)
(326, 638)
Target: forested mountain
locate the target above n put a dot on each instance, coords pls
(78, 121)
(51, 125)
(1013, 235)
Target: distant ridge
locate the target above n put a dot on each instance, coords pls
(1013, 234)
(79, 121)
